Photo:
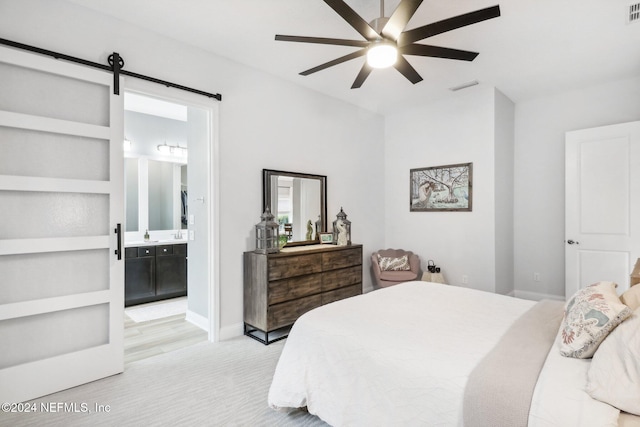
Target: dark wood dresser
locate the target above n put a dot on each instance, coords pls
(280, 287)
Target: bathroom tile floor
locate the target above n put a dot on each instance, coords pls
(159, 336)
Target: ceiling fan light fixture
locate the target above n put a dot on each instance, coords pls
(382, 54)
(387, 40)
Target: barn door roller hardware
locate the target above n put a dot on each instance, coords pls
(116, 65)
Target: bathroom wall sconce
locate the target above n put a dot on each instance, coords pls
(175, 150)
(126, 145)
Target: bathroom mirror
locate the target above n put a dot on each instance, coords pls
(298, 202)
(131, 194)
(155, 195)
(167, 210)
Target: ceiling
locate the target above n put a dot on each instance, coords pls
(534, 48)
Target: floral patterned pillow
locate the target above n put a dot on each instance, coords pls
(394, 264)
(589, 316)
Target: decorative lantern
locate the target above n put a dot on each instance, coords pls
(342, 229)
(267, 234)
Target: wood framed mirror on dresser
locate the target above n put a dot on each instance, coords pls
(280, 287)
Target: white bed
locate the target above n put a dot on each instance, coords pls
(403, 356)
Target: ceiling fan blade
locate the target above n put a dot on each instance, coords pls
(438, 52)
(407, 70)
(322, 40)
(355, 20)
(362, 76)
(400, 18)
(337, 61)
(445, 25)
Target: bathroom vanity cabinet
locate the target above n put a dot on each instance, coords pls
(155, 272)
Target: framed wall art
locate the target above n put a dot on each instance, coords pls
(441, 188)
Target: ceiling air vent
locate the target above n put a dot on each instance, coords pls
(634, 13)
(463, 86)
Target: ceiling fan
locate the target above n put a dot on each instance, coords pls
(387, 41)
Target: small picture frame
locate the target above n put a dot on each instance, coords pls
(326, 238)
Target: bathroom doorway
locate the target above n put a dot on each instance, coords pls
(170, 192)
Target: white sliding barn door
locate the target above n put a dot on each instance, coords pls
(61, 198)
(602, 193)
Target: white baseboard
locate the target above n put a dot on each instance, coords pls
(226, 332)
(231, 331)
(198, 320)
(535, 296)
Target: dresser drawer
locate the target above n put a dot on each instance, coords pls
(287, 313)
(342, 293)
(335, 279)
(292, 266)
(341, 259)
(289, 289)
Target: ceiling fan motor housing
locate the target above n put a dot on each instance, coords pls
(379, 23)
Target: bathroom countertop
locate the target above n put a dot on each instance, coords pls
(137, 243)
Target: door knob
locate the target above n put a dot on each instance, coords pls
(571, 242)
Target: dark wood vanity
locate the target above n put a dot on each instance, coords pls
(155, 272)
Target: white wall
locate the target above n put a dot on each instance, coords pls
(198, 249)
(146, 131)
(458, 129)
(265, 122)
(504, 142)
(455, 130)
(539, 174)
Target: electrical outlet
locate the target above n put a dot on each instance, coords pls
(536, 277)
(465, 279)
(191, 235)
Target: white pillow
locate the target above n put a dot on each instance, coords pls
(394, 264)
(614, 374)
(631, 297)
(589, 316)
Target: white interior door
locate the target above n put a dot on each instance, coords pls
(61, 198)
(602, 194)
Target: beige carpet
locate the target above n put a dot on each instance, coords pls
(221, 384)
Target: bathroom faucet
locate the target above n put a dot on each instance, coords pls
(178, 234)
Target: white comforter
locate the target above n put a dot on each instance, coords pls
(401, 356)
(397, 356)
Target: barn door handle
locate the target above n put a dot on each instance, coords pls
(571, 242)
(118, 231)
